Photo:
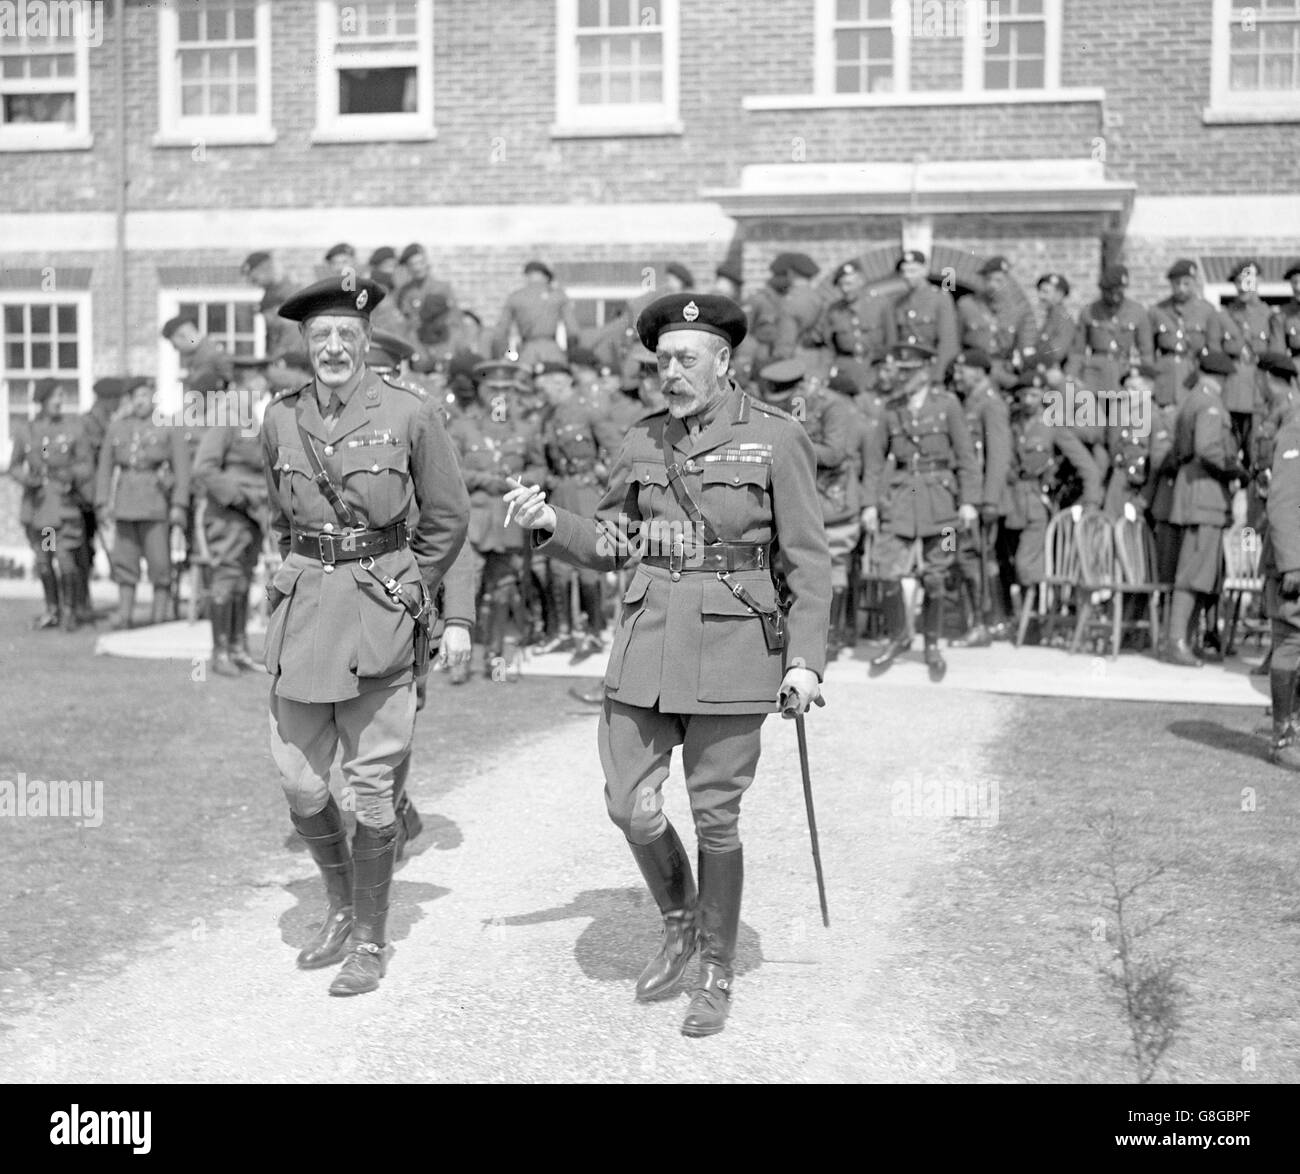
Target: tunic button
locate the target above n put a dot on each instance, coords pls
(736, 479)
(329, 526)
(374, 468)
(329, 568)
(675, 575)
(329, 450)
(691, 466)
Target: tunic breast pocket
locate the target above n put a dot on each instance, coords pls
(376, 480)
(733, 493)
(651, 479)
(294, 478)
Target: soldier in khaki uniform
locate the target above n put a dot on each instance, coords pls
(142, 485)
(355, 585)
(998, 321)
(921, 483)
(1205, 464)
(1112, 335)
(700, 656)
(537, 323)
(53, 460)
(1247, 321)
(1184, 326)
(1284, 331)
(1128, 447)
(1054, 327)
(924, 314)
(859, 324)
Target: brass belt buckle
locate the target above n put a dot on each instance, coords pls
(677, 556)
(327, 555)
(760, 558)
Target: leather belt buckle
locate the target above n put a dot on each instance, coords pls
(325, 543)
(760, 558)
(677, 556)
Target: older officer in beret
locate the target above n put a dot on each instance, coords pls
(349, 458)
(718, 492)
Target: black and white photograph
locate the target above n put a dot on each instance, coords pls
(455, 455)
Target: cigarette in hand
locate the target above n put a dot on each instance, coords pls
(510, 511)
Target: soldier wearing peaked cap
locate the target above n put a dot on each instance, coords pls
(708, 491)
(350, 459)
(1184, 326)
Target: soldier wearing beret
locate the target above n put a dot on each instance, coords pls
(1284, 331)
(53, 461)
(1184, 326)
(229, 473)
(1128, 445)
(832, 427)
(342, 258)
(772, 332)
(638, 391)
(989, 423)
(207, 367)
(142, 486)
(708, 491)
(537, 323)
(799, 323)
(1055, 328)
(1204, 464)
(262, 270)
(1112, 335)
(496, 445)
(1246, 322)
(998, 321)
(420, 282)
(860, 323)
(922, 481)
(349, 460)
(924, 314)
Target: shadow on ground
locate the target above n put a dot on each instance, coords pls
(623, 934)
(1220, 737)
(405, 901)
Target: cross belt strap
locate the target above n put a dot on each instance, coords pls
(345, 513)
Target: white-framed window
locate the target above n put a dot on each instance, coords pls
(44, 83)
(1012, 45)
(595, 306)
(862, 47)
(1272, 293)
(214, 72)
(616, 67)
(226, 314)
(1255, 61)
(374, 77)
(42, 336)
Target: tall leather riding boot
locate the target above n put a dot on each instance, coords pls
(1285, 750)
(849, 617)
(722, 877)
(85, 568)
(834, 633)
(50, 590)
(373, 850)
(161, 610)
(896, 617)
(409, 824)
(125, 617)
(977, 635)
(932, 626)
(70, 588)
(239, 655)
(219, 615)
(1177, 650)
(589, 596)
(327, 841)
(667, 873)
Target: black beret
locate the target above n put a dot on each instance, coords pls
(907, 354)
(1279, 364)
(435, 305)
(109, 387)
(1113, 277)
(848, 377)
(784, 372)
(253, 260)
(540, 267)
(914, 256)
(1181, 268)
(691, 311)
(174, 324)
(1217, 363)
(732, 272)
(353, 297)
(464, 362)
(250, 362)
(42, 389)
(799, 263)
(1241, 267)
(382, 254)
(409, 252)
(1291, 272)
(1056, 281)
(679, 271)
(388, 350)
(844, 270)
(974, 357)
(995, 265)
(339, 249)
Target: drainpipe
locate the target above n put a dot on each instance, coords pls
(119, 190)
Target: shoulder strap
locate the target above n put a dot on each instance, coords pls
(684, 499)
(323, 482)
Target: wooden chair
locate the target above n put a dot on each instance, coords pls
(1242, 549)
(1135, 551)
(1116, 561)
(1061, 577)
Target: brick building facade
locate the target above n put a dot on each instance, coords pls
(140, 165)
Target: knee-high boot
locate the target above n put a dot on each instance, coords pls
(70, 589)
(373, 850)
(327, 841)
(1177, 649)
(667, 873)
(50, 590)
(1285, 751)
(931, 627)
(896, 616)
(722, 879)
(219, 616)
(239, 655)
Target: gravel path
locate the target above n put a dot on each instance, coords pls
(521, 923)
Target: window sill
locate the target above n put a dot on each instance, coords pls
(628, 130)
(1234, 115)
(374, 134)
(922, 98)
(60, 142)
(214, 138)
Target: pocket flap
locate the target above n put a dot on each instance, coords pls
(747, 473)
(287, 576)
(649, 473)
(374, 459)
(636, 589)
(292, 460)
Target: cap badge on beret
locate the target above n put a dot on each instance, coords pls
(690, 311)
(362, 299)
